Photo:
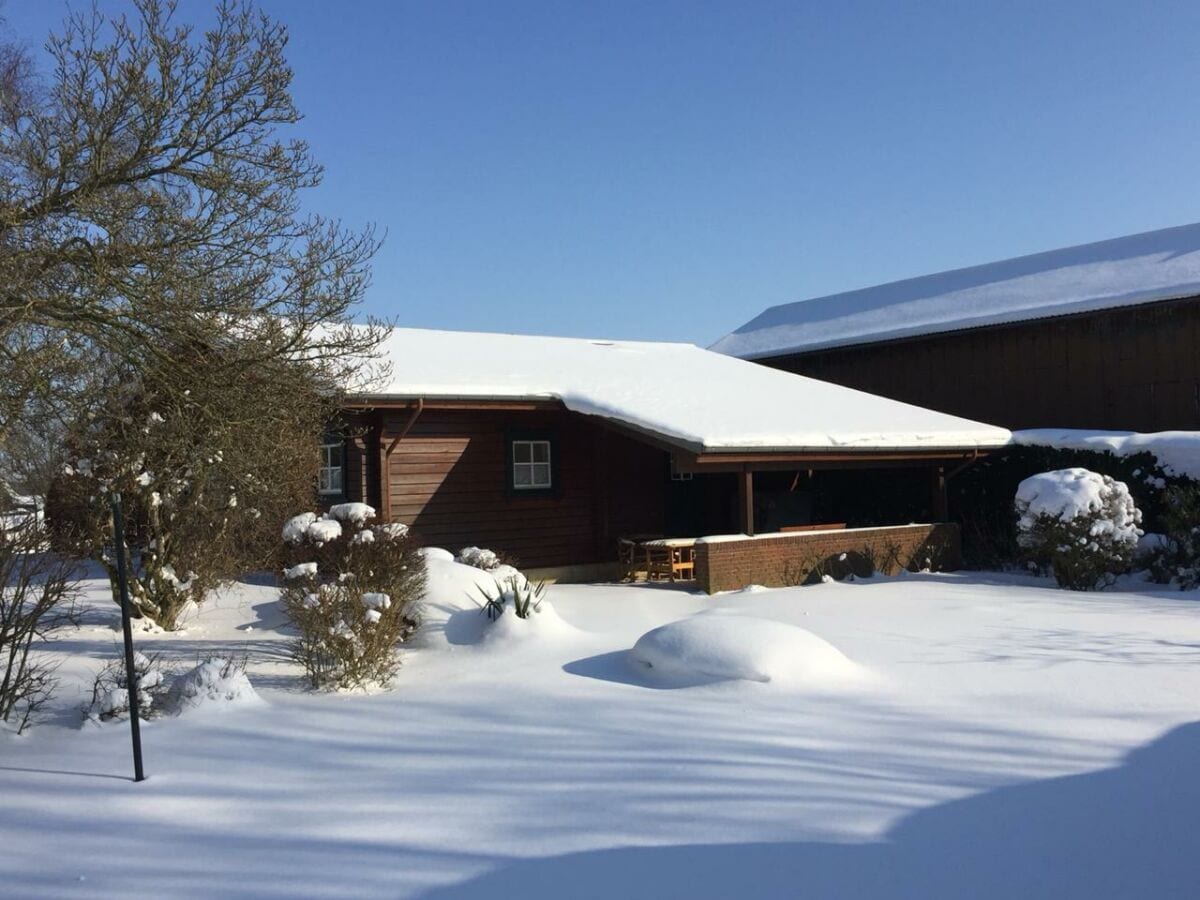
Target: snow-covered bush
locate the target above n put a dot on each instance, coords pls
(110, 690)
(1080, 524)
(161, 691)
(482, 558)
(1175, 557)
(215, 681)
(37, 598)
(515, 591)
(351, 588)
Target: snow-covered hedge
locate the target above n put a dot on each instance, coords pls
(1079, 523)
(1173, 557)
(351, 588)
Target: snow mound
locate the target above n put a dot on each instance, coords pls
(215, 682)
(746, 648)
(436, 553)
(543, 623)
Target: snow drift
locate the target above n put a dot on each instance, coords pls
(745, 648)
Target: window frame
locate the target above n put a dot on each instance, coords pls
(515, 436)
(330, 442)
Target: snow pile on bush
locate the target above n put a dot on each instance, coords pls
(110, 690)
(1081, 524)
(351, 588)
(215, 682)
(479, 557)
(736, 647)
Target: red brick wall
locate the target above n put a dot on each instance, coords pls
(779, 561)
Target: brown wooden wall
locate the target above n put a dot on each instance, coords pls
(448, 480)
(1136, 368)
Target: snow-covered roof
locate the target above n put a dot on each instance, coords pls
(693, 398)
(1141, 268)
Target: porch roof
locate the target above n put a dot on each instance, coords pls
(692, 399)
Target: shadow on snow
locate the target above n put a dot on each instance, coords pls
(1127, 832)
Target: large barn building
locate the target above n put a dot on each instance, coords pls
(1100, 336)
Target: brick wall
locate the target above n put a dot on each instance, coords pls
(789, 559)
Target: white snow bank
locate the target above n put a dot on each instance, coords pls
(214, 683)
(1140, 268)
(543, 624)
(742, 648)
(654, 387)
(453, 605)
(1178, 452)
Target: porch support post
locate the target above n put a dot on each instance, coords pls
(385, 512)
(746, 501)
(937, 484)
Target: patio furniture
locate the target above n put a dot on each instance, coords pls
(631, 553)
(671, 559)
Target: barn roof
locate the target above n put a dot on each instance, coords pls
(1141, 268)
(690, 397)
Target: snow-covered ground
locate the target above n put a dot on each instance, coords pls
(949, 736)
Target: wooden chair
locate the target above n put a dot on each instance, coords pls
(671, 559)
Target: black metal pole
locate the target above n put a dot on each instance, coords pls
(130, 670)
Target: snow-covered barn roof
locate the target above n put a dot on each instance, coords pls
(1141, 268)
(690, 397)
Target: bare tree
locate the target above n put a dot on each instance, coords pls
(147, 202)
(163, 293)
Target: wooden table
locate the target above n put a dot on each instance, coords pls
(670, 558)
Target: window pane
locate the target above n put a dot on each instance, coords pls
(541, 451)
(521, 451)
(335, 456)
(324, 481)
(541, 474)
(335, 480)
(522, 475)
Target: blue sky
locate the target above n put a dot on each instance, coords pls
(667, 170)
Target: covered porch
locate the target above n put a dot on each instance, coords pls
(779, 518)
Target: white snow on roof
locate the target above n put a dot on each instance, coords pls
(1142, 268)
(689, 396)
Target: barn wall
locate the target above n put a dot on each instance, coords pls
(448, 480)
(1136, 368)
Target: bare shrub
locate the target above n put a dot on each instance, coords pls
(37, 599)
(110, 689)
(352, 589)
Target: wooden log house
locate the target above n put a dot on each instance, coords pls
(552, 449)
